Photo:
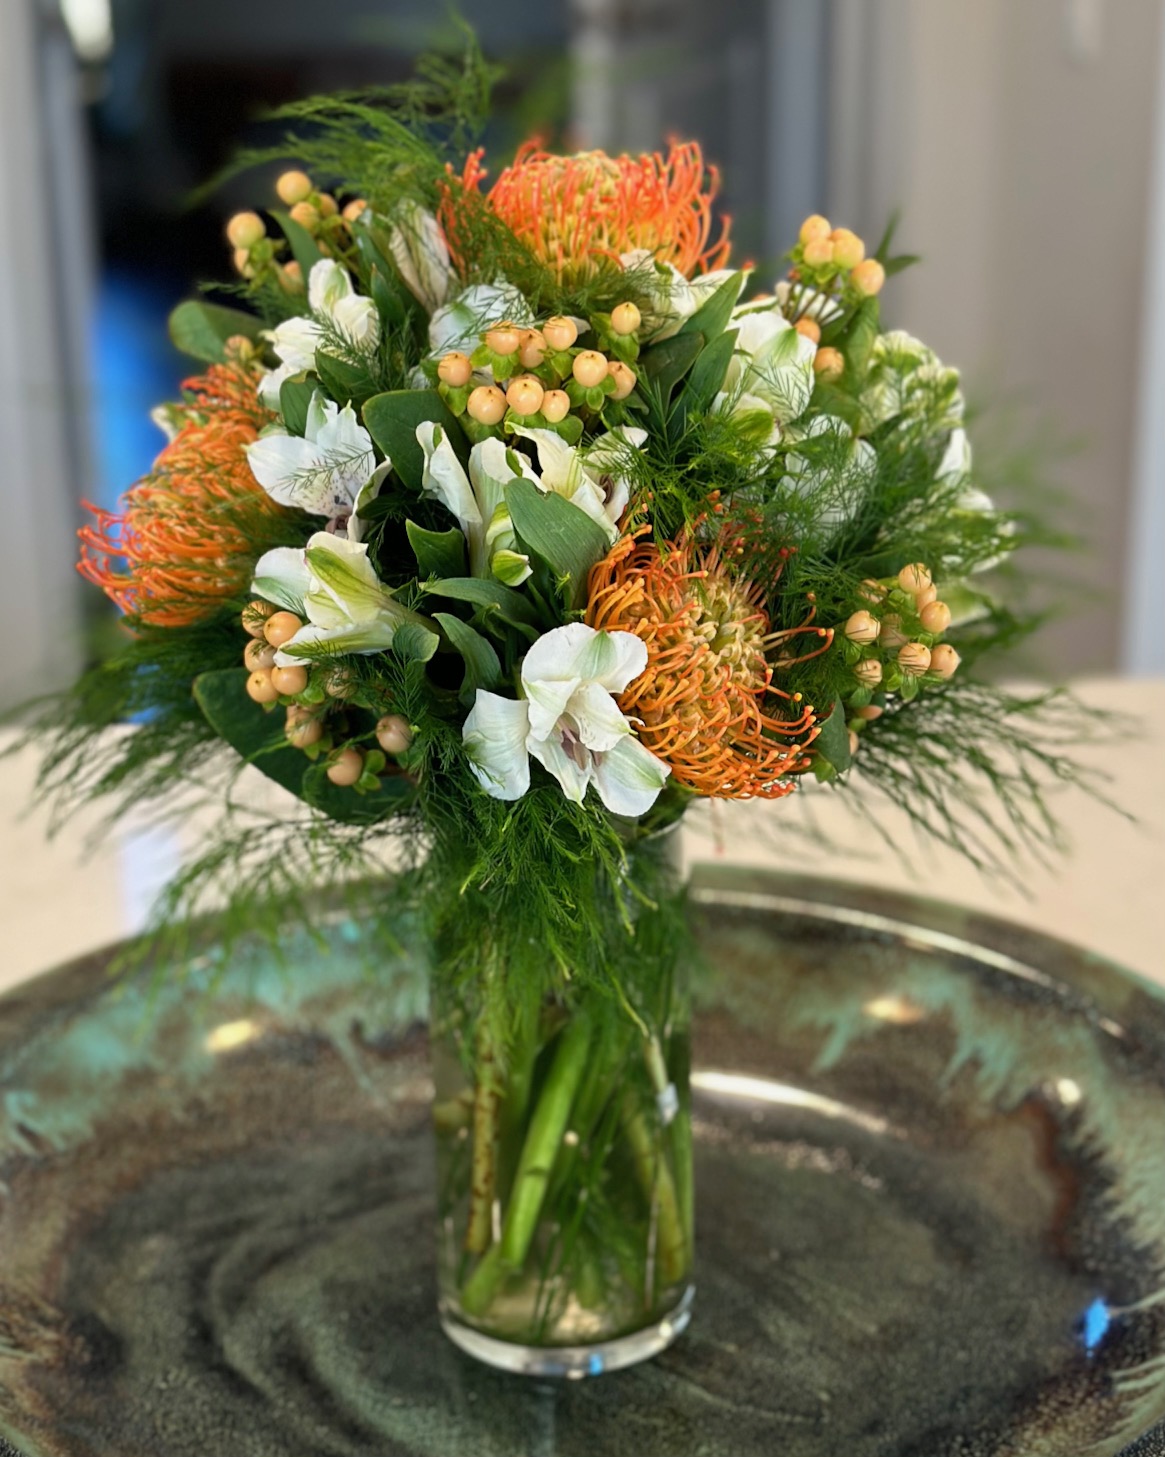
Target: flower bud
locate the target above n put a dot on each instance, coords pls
(914, 578)
(925, 597)
(303, 728)
(868, 278)
(281, 627)
(848, 248)
(868, 672)
(818, 252)
(829, 364)
(814, 228)
(486, 404)
(241, 258)
(455, 369)
(393, 733)
(936, 617)
(258, 655)
(854, 741)
(306, 216)
(890, 634)
(870, 713)
(532, 349)
(624, 378)
(589, 368)
(872, 590)
(290, 680)
(555, 405)
(327, 205)
(346, 767)
(524, 395)
(625, 319)
(914, 658)
(291, 277)
(560, 332)
(340, 682)
(503, 339)
(260, 688)
(944, 660)
(808, 328)
(861, 627)
(293, 187)
(245, 229)
(354, 210)
(255, 616)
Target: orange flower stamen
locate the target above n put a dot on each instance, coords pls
(575, 212)
(702, 704)
(181, 537)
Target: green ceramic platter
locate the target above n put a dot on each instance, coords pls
(931, 1205)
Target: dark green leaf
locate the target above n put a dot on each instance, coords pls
(387, 300)
(832, 743)
(412, 640)
(438, 553)
(482, 668)
(491, 597)
(294, 399)
(666, 364)
(347, 384)
(201, 329)
(707, 376)
(565, 537)
(859, 341)
(712, 317)
(302, 244)
(392, 419)
(256, 735)
(348, 806)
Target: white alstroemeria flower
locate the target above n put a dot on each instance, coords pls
(673, 298)
(478, 500)
(461, 322)
(421, 254)
(843, 467)
(772, 360)
(333, 585)
(754, 415)
(335, 307)
(593, 479)
(568, 721)
(798, 301)
(330, 471)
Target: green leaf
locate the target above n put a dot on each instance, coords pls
(832, 743)
(415, 642)
(294, 399)
(438, 553)
(345, 383)
(302, 244)
(707, 376)
(666, 364)
(392, 419)
(256, 735)
(349, 807)
(712, 317)
(201, 329)
(859, 341)
(565, 537)
(492, 598)
(482, 668)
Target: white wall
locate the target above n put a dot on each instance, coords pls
(39, 647)
(1017, 138)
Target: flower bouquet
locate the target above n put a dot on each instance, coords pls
(507, 520)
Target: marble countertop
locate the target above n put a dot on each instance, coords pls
(62, 897)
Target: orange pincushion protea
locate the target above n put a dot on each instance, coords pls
(701, 701)
(181, 535)
(573, 212)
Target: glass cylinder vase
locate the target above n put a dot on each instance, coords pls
(564, 1160)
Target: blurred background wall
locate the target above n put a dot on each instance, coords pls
(1023, 145)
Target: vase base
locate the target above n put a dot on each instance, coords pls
(573, 1362)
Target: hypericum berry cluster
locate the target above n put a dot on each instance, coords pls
(542, 376)
(318, 213)
(315, 702)
(893, 645)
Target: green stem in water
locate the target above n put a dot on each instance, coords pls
(660, 1191)
(487, 1097)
